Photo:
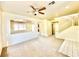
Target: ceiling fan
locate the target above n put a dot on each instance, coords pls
(37, 10)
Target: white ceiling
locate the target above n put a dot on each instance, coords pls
(58, 9)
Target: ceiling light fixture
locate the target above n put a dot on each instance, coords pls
(38, 10)
(67, 7)
(51, 3)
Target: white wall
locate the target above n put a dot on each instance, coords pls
(78, 22)
(0, 31)
(10, 39)
(65, 22)
(45, 27)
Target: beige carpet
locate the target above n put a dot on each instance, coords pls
(40, 47)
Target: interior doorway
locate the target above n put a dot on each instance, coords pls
(38, 28)
(53, 29)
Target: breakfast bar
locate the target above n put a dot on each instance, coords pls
(70, 45)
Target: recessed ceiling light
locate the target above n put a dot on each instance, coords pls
(67, 7)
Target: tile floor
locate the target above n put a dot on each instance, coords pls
(39, 47)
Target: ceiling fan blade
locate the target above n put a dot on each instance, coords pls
(42, 9)
(33, 8)
(41, 13)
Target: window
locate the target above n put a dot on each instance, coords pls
(19, 26)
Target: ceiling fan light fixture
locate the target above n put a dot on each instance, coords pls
(35, 14)
(37, 11)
